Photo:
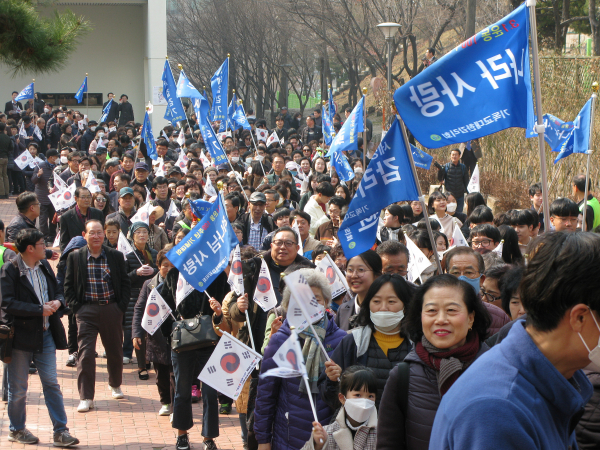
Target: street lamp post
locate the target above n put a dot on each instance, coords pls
(389, 29)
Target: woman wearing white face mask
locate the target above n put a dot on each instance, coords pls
(451, 205)
(378, 342)
(100, 137)
(437, 204)
(356, 423)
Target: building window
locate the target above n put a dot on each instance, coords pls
(70, 101)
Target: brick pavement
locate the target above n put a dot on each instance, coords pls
(132, 423)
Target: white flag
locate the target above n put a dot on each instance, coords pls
(37, 132)
(458, 239)
(142, 214)
(182, 162)
(183, 290)
(273, 138)
(229, 366)
(295, 228)
(204, 159)
(236, 278)
(222, 135)
(181, 138)
(262, 134)
(474, 183)
(155, 313)
(172, 211)
(23, 132)
(264, 294)
(123, 245)
(91, 183)
(303, 308)
(499, 248)
(24, 159)
(63, 199)
(337, 281)
(59, 184)
(150, 108)
(210, 189)
(81, 124)
(148, 194)
(289, 360)
(56, 242)
(417, 261)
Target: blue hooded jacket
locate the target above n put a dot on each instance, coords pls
(511, 398)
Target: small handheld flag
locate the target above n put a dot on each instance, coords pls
(474, 182)
(236, 277)
(156, 312)
(264, 295)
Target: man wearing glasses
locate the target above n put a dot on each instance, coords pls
(72, 223)
(73, 160)
(563, 214)
(484, 238)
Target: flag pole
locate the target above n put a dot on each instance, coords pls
(589, 154)
(87, 97)
(227, 95)
(253, 141)
(539, 127)
(184, 111)
(365, 129)
(421, 196)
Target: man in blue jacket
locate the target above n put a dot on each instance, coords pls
(529, 392)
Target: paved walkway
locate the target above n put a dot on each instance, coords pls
(131, 423)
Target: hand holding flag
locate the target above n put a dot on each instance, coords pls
(156, 312)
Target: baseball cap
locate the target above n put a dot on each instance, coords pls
(142, 166)
(125, 191)
(258, 197)
(223, 167)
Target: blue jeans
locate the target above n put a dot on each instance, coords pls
(186, 368)
(18, 374)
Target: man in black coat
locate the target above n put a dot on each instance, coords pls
(455, 177)
(30, 302)
(97, 289)
(256, 224)
(72, 223)
(125, 110)
(13, 105)
(114, 108)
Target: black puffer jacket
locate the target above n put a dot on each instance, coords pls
(588, 428)
(375, 359)
(137, 281)
(455, 177)
(394, 431)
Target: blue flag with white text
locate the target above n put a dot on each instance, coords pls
(579, 138)
(479, 88)
(106, 110)
(388, 179)
(208, 134)
(421, 159)
(328, 129)
(556, 133)
(219, 85)
(201, 109)
(174, 112)
(148, 137)
(82, 89)
(26, 93)
(342, 166)
(347, 138)
(200, 207)
(239, 119)
(185, 88)
(204, 253)
(228, 122)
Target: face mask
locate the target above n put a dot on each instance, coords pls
(106, 129)
(450, 207)
(248, 160)
(93, 128)
(474, 282)
(235, 159)
(386, 321)
(100, 135)
(593, 354)
(46, 110)
(260, 158)
(358, 171)
(359, 409)
(64, 160)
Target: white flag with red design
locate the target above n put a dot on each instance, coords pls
(289, 360)
(264, 294)
(142, 214)
(236, 278)
(181, 138)
(24, 159)
(63, 199)
(59, 184)
(273, 138)
(182, 162)
(91, 183)
(123, 245)
(172, 211)
(474, 182)
(229, 366)
(303, 308)
(155, 313)
(183, 290)
(337, 281)
(262, 134)
(205, 161)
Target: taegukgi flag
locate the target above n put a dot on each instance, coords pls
(264, 294)
(155, 313)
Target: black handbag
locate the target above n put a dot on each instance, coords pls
(191, 334)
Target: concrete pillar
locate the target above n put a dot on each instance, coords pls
(155, 29)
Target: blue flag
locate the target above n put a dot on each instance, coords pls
(328, 130)
(347, 138)
(342, 166)
(200, 207)
(556, 133)
(331, 105)
(388, 179)
(219, 85)
(81, 91)
(239, 118)
(26, 93)
(210, 140)
(481, 87)
(148, 138)
(579, 138)
(421, 159)
(204, 253)
(106, 110)
(174, 112)
(185, 88)
(228, 123)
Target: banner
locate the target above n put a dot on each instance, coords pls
(148, 137)
(347, 138)
(388, 179)
(212, 143)
(82, 89)
(219, 86)
(204, 252)
(474, 182)
(228, 122)
(174, 112)
(26, 93)
(328, 130)
(229, 366)
(185, 88)
(481, 87)
(236, 277)
(264, 295)
(156, 312)
(337, 281)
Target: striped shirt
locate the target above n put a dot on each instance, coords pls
(257, 234)
(99, 286)
(38, 280)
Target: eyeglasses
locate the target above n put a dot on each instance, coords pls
(489, 297)
(40, 243)
(95, 233)
(85, 197)
(281, 243)
(566, 220)
(100, 200)
(359, 272)
(481, 243)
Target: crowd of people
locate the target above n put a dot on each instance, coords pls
(487, 352)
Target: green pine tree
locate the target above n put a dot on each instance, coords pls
(32, 44)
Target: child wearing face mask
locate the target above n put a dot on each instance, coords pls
(356, 422)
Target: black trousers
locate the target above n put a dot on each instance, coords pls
(47, 228)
